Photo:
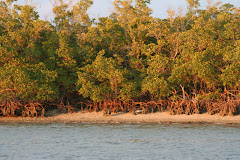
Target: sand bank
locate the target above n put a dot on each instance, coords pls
(94, 117)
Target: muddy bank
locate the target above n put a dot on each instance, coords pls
(98, 117)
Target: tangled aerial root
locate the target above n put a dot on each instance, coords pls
(185, 107)
(224, 108)
(122, 106)
(69, 108)
(10, 108)
(188, 107)
(182, 106)
(18, 108)
(33, 110)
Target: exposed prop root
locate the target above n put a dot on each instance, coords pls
(68, 108)
(10, 108)
(181, 106)
(33, 110)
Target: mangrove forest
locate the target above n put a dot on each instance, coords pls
(129, 61)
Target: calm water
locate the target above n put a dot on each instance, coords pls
(119, 141)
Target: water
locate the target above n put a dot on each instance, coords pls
(119, 141)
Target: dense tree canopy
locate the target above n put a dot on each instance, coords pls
(129, 55)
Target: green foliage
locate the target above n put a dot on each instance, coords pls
(155, 82)
(33, 83)
(128, 55)
(193, 3)
(100, 80)
(231, 73)
(204, 67)
(23, 75)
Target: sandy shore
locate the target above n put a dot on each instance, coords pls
(126, 118)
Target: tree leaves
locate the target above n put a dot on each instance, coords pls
(128, 55)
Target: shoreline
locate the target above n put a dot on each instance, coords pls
(97, 117)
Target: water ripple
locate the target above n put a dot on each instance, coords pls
(119, 141)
